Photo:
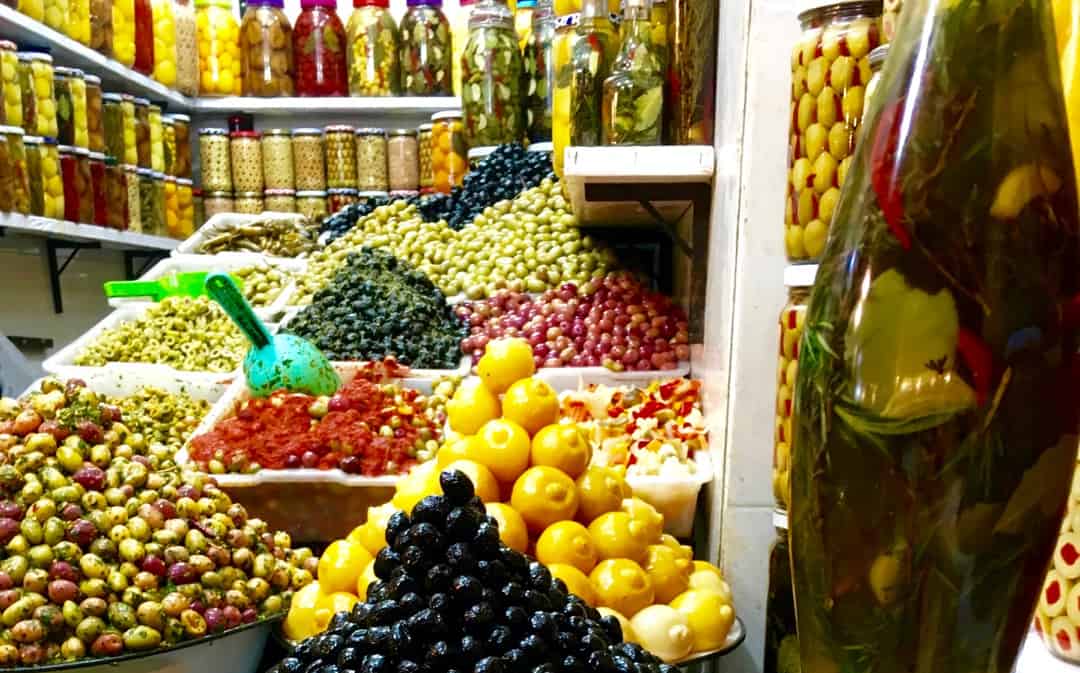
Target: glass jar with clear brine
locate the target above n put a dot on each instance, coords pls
(799, 279)
(218, 38)
(425, 50)
(70, 90)
(266, 45)
(374, 68)
(539, 56)
(633, 103)
(9, 84)
(492, 75)
(14, 178)
(319, 45)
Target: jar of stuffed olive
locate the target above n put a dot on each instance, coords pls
(425, 50)
(70, 90)
(799, 279)
(266, 49)
(14, 179)
(277, 159)
(217, 202)
(403, 160)
(245, 150)
(632, 111)
(38, 99)
(185, 201)
(371, 163)
(423, 143)
(279, 200)
(101, 27)
(539, 57)
(142, 132)
(182, 159)
(309, 161)
(311, 204)
(9, 85)
(95, 134)
(248, 203)
(151, 217)
(340, 156)
(172, 208)
(134, 200)
(214, 160)
(46, 181)
(449, 151)
(492, 73)
(339, 198)
(373, 49)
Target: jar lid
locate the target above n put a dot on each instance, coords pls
(404, 193)
(167, 120)
(213, 132)
(279, 192)
(92, 80)
(11, 130)
(141, 101)
(526, 4)
(49, 140)
(112, 97)
(370, 131)
(307, 4)
(877, 57)
(800, 275)
(311, 194)
(342, 191)
(403, 132)
(421, 3)
(67, 149)
(280, 4)
(245, 134)
(34, 56)
(276, 132)
(424, 128)
(481, 152)
(7, 45)
(817, 15)
(128, 98)
(216, 3)
(373, 194)
(68, 72)
(219, 195)
(339, 128)
(306, 132)
(33, 140)
(97, 156)
(184, 182)
(371, 3)
(249, 195)
(446, 114)
(541, 147)
(181, 118)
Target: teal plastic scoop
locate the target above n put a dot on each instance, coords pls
(274, 361)
(187, 284)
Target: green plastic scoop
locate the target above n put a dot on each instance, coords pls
(186, 284)
(274, 361)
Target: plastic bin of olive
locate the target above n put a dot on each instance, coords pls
(186, 263)
(298, 500)
(192, 245)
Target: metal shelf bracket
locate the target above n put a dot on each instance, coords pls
(52, 247)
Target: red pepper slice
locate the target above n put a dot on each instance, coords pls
(979, 360)
(883, 176)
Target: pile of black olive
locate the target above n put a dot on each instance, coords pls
(336, 225)
(378, 306)
(503, 174)
(451, 598)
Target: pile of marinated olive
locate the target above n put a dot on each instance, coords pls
(263, 283)
(378, 306)
(185, 333)
(278, 236)
(335, 226)
(157, 417)
(107, 552)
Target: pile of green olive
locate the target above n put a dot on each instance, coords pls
(262, 284)
(185, 333)
(158, 417)
(106, 551)
(528, 244)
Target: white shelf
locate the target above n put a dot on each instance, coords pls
(71, 231)
(397, 106)
(26, 32)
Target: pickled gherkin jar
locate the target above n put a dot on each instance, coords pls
(70, 89)
(425, 50)
(798, 279)
(182, 159)
(101, 28)
(427, 175)
(144, 37)
(218, 38)
(95, 132)
(312, 204)
(539, 57)
(14, 177)
(374, 69)
(9, 85)
(38, 99)
(591, 58)
(214, 160)
(187, 48)
(830, 68)
(781, 634)
(633, 105)
(164, 42)
(492, 77)
(266, 45)
(341, 163)
(319, 46)
(77, 21)
(449, 151)
(123, 28)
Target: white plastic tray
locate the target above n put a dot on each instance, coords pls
(124, 383)
(574, 378)
(675, 497)
(223, 262)
(193, 244)
(62, 363)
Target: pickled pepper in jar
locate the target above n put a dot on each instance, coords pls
(70, 90)
(539, 57)
(187, 48)
(220, 60)
(144, 37)
(14, 177)
(590, 64)
(425, 50)
(95, 131)
(164, 42)
(449, 151)
(9, 85)
(492, 74)
(633, 103)
(266, 43)
(319, 45)
(101, 29)
(123, 27)
(373, 50)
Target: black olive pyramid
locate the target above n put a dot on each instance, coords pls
(452, 598)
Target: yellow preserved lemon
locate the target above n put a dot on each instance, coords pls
(466, 447)
(531, 403)
(601, 490)
(616, 535)
(366, 578)
(568, 543)
(621, 585)
(669, 573)
(300, 622)
(503, 448)
(681, 550)
(705, 566)
(710, 617)
(471, 406)
(544, 495)
(562, 446)
(412, 488)
(709, 581)
(341, 565)
(372, 533)
(484, 482)
(628, 634)
(576, 581)
(664, 631)
(330, 605)
(641, 511)
(512, 530)
(505, 361)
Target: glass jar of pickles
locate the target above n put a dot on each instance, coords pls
(123, 29)
(214, 161)
(566, 36)
(77, 21)
(120, 127)
(339, 198)
(55, 14)
(248, 203)
(340, 156)
(371, 162)
(187, 48)
(423, 143)
(798, 279)
(142, 133)
(70, 90)
(279, 200)
(172, 208)
(217, 202)
(246, 152)
(459, 37)
(309, 161)
(425, 50)
(115, 195)
(449, 151)
(632, 111)
(781, 635)
(150, 218)
(35, 9)
(95, 133)
(157, 139)
(319, 45)
(38, 99)
(46, 182)
(403, 160)
(164, 42)
(266, 42)
(144, 37)
(492, 75)
(101, 30)
(591, 58)
(691, 26)
(168, 143)
(539, 58)
(311, 204)
(182, 158)
(14, 179)
(185, 203)
(277, 159)
(830, 68)
(373, 49)
(96, 162)
(78, 184)
(134, 204)
(220, 60)
(9, 84)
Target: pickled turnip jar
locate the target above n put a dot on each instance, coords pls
(830, 68)
(798, 279)
(123, 31)
(373, 50)
(70, 90)
(425, 50)
(277, 159)
(95, 132)
(311, 204)
(217, 202)
(267, 49)
(14, 179)
(340, 147)
(214, 161)
(9, 85)
(38, 99)
(449, 151)
(492, 75)
(309, 163)
(217, 35)
(371, 161)
(101, 28)
(187, 48)
(319, 45)
(164, 42)
(245, 151)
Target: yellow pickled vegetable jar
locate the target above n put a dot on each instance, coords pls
(77, 21)
(123, 26)
(39, 103)
(46, 183)
(219, 49)
(14, 181)
(799, 278)
(186, 203)
(56, 13)
(70, 89)
(157, 139)
(35, 9)
(187, 50)
(9, 84)
(164, 41)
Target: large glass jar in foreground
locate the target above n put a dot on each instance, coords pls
(373, 49)
(492, 75)
(539, 57)
(425, 50)
(633, 103)
(937, 393)
(781, 635)
(266, 49)
(691, 71)
(319, 44)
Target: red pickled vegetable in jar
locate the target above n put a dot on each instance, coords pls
(69, 167)
(319, 50)
(97, 181)
(144, 37)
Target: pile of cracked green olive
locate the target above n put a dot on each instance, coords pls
(262, 284)
(185, 333)
(107, 553)
(160, 418)
(531, 243)
(277, 236)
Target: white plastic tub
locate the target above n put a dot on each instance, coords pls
(193, 244)
(129, 382)
(576, 378)
(675, 497)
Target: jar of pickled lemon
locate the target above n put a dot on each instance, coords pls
(157, 139)
(566, 36)
(123, 28)
(14, 180)
(39, 102)
(449, 152)
(798, 279)
(219, 49)
(187, 49)
(9, 84)
(185, 201)
(164, 42)
(56, 13)
(77, 21)
(70, 89)
(172, 208)
(46, 184)
(35, 9)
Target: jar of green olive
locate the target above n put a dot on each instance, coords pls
(217, 202)
(311, 204)
(279, 200)
(214, 160)
(403, 160)
(423, 141)
(371, 168)
(248, 203)
(134, 201)
(277, 159)
(245, 150)
(309, 163)
(340, 157)
(14, 180)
